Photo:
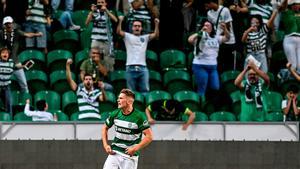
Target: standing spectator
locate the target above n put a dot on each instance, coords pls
(290, 106)
(87, 96)
(6, 70)
(69, 4)
(218, 14)
(290, 20)
(102, 34)
(260, 7)
(130, 125)
(94, 66)
(137, 74)
(253, 100)
(204, 67)
(169, 110)
(255, 38)
(36, 21)
(41, 114)
(10, 37)
(293, 71)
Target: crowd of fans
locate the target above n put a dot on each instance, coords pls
(224, 35)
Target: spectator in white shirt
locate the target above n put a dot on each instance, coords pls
(41, 113)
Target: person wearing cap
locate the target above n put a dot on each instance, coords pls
(10, 37)
(171, 110)
(6, 69)
(290, 21)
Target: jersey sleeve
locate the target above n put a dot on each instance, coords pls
(144, 124)
(110, 120)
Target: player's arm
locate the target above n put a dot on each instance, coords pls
(190, 120)
(105, 144)
(145, 141)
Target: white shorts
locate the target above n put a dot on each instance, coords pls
(118, 161)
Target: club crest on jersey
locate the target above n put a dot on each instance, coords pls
(142, 39)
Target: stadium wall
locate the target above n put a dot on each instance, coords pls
(88, 154)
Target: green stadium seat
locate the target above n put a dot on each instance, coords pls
(120, 60)
(157, 95)
(155, 80)
(80, 57)
(118, 80)
(37, 80)
(14, 85)
(57, 59)
(52, 98)
(285, 85)
(274, 100)
(152, 60)
(66, 40)
(177, 80)
(22, 117)
(199, 116)
(274, 116)
(222, 116)
(190, 58)
(227, 80)
(236, 102)
(85, 38)
(61, 116)
(5, 116)
(79, 17)
(69, 102)
(172, 59)
(109, 104)
(278, 60)
(19, 100)
(37, 56)
(139, 101)
(58, 81)
(189, 98)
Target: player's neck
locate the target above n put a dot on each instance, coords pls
(127, 110)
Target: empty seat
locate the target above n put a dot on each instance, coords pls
(37, 80)
(80, 57)
(66, 40)
(199, 116)
(58, 81)
(155, 80)
(227, 80)
(79, 17)
(52, 98)
(5, 116)
(157, 95)
(57, 59)
(274, 100)
(139, 101)
(236, 102)
(19, 100)
(37, 56)
(22, 117)
(222, 116)
(118, 80)
(152, 60)
(120, 59)
(274, 116)
(85, 38)
(109, 104)
(172, 59)
(177, 80)
(189, 98)
(61, 116)
(69, 102)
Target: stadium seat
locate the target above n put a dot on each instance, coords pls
(278, 61)
(14, 85)
(66, 40)
(152, 60)
(80, 57)
(118, 80)
(285, 85)
(58, 81)
(273, 100)
(19, 100)
(80, 16)
(190, 58)
(52, 98)
(272, 85)
(274, 116)
(22, 117)
(222, 116)
(5, 116)
(37, 80)
(85, 38)
(69, 103)
(57, 59)
(155, 80)
(120, 59)
(37, 56)
(189, 98)
(157, 95)
(199, 116)
(236, 102)
(139, 101)
(177, 80)
(227, 81)
(172, 59)
(61, 116)
(109, 104)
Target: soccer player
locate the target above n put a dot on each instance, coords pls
(130, 124)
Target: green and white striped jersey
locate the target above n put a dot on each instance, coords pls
(128, 129)
(6, 70)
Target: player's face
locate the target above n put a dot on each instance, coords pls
(122, 100)
(137, 28)
(5, 55)
(88, 82)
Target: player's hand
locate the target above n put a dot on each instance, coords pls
(185, 126)
(109, 150)
(131, 150)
